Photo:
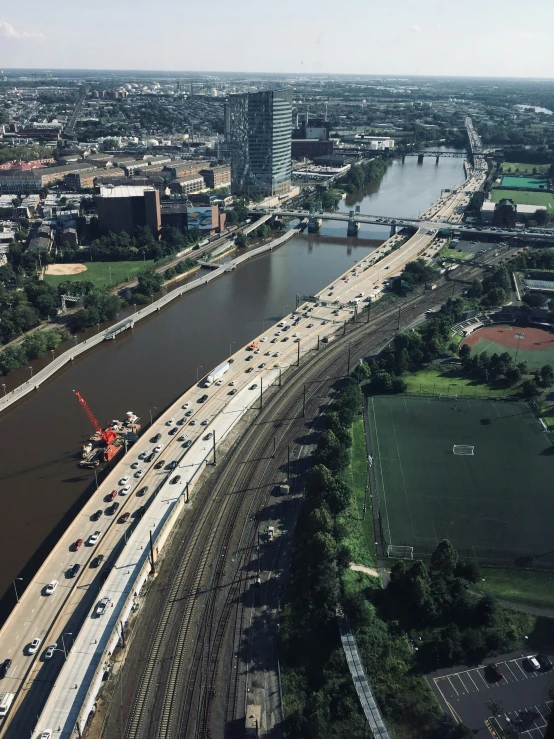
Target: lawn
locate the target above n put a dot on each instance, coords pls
(359, 537)
(448, 382)
(475, 472)
(525, 197)
(446, 253)
(99, 273)
(528, 587)
(521, 168)
(534, 358)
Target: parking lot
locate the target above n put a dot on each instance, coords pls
(522, 692)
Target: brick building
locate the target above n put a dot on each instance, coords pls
(124, 208)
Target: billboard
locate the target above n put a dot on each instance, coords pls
(201, 218)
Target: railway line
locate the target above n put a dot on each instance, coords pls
(190, 683)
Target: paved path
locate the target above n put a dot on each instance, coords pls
(363, 568)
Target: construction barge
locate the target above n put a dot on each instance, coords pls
(106, 443)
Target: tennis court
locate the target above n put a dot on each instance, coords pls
(491, 497)
(525, 183)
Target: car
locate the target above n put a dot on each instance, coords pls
(207, 436)
(493, 671)
(257, 351)
(205, 422)
(203, 398)
(544, 661)
(4, 667)
(261, 366)
(142, 491)
(173, 431)
(185, 406)
(77, 544)
(232, 383)
(159, 464)
(96, 516)
(140, 511)
(73, 570)
(101, 607)
(111, 495)
(294, 336)
(46, 734)
(310, 325)
(156, 438)
(170, 422)
(277, 354)
(135, 464)
(176, 479)
(278, 333)
(249, 358)
(274, 341)
(181, 421)
(278, 364)
(49, 589)
(187, 443)
(125, 490)
(33, 646)
(150, 457)
(124, 518)
(267, 354)
(158, 448)
(139, 473)
(193, 422)
(189, 413)
(172, 465)
(286, 338)
(49, 653)
(113, 508)
(182, 438)
(297, 341)
(254, 386)
(219, 382)
(142, 455)
(125, 480)
(264, 338)
(233, 391)
(249, 370)
(532, 663)
(93, 538)
(97, 561)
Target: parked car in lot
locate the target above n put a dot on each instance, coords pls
(493, 671)
(544, 662)
(531, 663)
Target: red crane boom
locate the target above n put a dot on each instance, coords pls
(107, 436)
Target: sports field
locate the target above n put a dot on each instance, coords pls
(521, 168)
(527, 183)
(524, 197)
(494, 504)
(102, 274)
(532, 345)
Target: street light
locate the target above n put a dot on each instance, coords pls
(198, 367)
(53, 354)
(4, 386)
(155, 408)
(67, 633)
(135, 307)
(31, 371)
(14, 587)
(230, 345)
(519, 337)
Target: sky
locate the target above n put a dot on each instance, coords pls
(486, 38)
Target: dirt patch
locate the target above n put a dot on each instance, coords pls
(65, 269)
(533, 338)
(363, 568)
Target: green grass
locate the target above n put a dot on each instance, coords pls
(359, 535)
(495, 505)
(448, 382)
(528, 587)
(446, 253)
(525, 197)
(534, 183)
(536, 358)
(523, 169)
(99, 273)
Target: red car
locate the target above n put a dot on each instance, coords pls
(111, 495)
(77, 545)
(124, 518)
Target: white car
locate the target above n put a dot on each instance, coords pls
(278, 333)
(139, 473)
(233, 383)
(125, 490)
(33, 646)
(50, 651)
(101, 607)
(277, 354)
(279, 364)
(93, 538)
(142, 455)
(294, 336)
(185, 405)
(46, 734)
(264, 338)
(125, 480)
(256, 351)
(219, 382)
(157, 449)
(170, 422)
(206, 421)
(51, 587)
(135, 465)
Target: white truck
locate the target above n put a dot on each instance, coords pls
(6, 699)
(215, 374)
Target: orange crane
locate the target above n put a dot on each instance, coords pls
(107, 435)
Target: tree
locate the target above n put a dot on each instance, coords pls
(330, 452)
(534, 300)
(109, 145)
(465, 351)
(34, 344)
(475, 290)
(529, 389)
(547, 375)
(485, 610)
(241, 241)
(445, 558)
(495, 707)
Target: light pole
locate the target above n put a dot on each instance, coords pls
(53, 354)
(4, 386)
(198, 367)
(135, 307)
(230, 345)
(519, 337)
(15, 588)
(67, 633)
(155, 408)
(31, 372)
(96, 476)
(97, 328)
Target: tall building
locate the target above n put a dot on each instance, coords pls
(124, 208)
(260, 142)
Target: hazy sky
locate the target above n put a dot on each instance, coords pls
(506, 38)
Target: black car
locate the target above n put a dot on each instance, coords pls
(173, 431)
(544, 662)
(156, 438)
(97, 561)
(96, 516)
(142, 491)
(176, 479)
(150, 457)
(113, 508)
(4, 667)
(159, 464)
(74, 570)
(187, 443)
(203, 398)
(172, 465)
(140, 511)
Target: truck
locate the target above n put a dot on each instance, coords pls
(6, 699)
(215, 374)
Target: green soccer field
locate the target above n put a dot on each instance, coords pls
(521, 168)
(103, 274)
(495, 505)
(525, 197)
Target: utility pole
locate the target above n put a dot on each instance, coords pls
(398, 319)
(187, 492)
(304, 402)
(288, 461)
(298, 357)
(261, 395)
(318, 342)
(348, 369)
(152, 563)
(213, 444)
(274, 446)
(279, 377)
(368, 311)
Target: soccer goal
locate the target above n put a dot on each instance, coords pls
(395, 551)
(463, 450)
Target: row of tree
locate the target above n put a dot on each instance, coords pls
(33, 346)
(502, 369)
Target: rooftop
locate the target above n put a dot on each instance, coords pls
(125, 191)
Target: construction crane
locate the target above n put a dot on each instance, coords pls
(108, 435)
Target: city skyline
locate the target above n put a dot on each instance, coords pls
(403, 38)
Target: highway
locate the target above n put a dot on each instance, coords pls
(51, 617)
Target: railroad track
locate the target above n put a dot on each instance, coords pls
(187, 704)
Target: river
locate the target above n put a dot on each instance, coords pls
(146, 369)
